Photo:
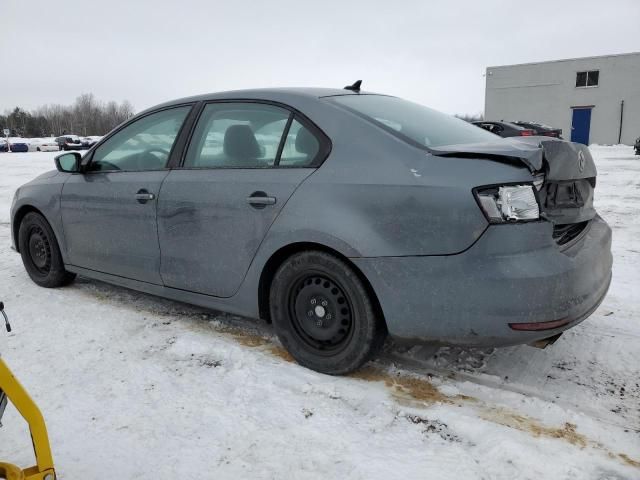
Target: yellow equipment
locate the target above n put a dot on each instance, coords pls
(11, 390)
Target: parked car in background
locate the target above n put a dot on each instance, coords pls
(505, 129)
(637, 146)
(17, 144)
(541, 129)
(69, 142)
(43, 145)
(319, 210)
(33, 144)
(3, 145)
(90, 141)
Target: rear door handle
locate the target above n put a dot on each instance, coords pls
(143, 196)
(260, 200)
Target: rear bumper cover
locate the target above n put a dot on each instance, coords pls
(512, 274)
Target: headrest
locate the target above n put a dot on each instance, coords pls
(240, 143)
(306, 143)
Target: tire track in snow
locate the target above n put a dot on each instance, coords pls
(495, 383)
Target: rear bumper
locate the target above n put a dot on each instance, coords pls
(514, 274)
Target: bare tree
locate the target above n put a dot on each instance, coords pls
(87, 116)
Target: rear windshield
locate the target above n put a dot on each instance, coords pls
(414, 123)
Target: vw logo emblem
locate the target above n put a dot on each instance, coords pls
(581, 161)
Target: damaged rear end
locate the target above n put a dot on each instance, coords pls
(563, 273)
(566, 196)
(561, 190)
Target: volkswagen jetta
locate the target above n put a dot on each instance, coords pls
(339, 216)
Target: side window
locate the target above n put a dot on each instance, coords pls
(300, 148)
(237, 135)
(143, 145)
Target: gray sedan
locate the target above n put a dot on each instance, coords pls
(339, 216)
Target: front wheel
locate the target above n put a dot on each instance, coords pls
(323, 314)
(40, 252)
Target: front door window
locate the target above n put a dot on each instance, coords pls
(143, 145)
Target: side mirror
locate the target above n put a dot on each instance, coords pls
(68, 162)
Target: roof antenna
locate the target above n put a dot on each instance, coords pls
(355, 87)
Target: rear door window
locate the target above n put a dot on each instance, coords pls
(300, 148)
(237, 135)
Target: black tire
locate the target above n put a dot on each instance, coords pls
(40, 252)
(323, 315)
(37, 149)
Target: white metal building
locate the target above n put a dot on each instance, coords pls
(593, 99)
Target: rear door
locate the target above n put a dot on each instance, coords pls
(244, 161)
(109, 212)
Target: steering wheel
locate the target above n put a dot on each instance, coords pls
(155, 149)
(148, 159)
(150, 155)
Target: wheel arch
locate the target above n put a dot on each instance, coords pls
(279, 256)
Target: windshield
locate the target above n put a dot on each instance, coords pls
(414, 123)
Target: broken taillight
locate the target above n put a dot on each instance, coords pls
(509, 203)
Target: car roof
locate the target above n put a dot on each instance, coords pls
(275, 94)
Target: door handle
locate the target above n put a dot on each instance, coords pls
(143, 196)
(260, 200)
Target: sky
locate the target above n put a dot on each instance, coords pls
(431, 52)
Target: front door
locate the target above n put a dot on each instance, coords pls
(109, 211)
(580, 125)
(244, 162)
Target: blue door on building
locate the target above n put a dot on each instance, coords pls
(580, 125)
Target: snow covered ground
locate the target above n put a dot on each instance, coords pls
(137, 387)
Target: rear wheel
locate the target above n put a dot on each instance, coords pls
(323, 314)
(40, 252)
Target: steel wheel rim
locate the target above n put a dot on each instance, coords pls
(39, 250)
(321, 313)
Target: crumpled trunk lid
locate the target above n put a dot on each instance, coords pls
(566, 196)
